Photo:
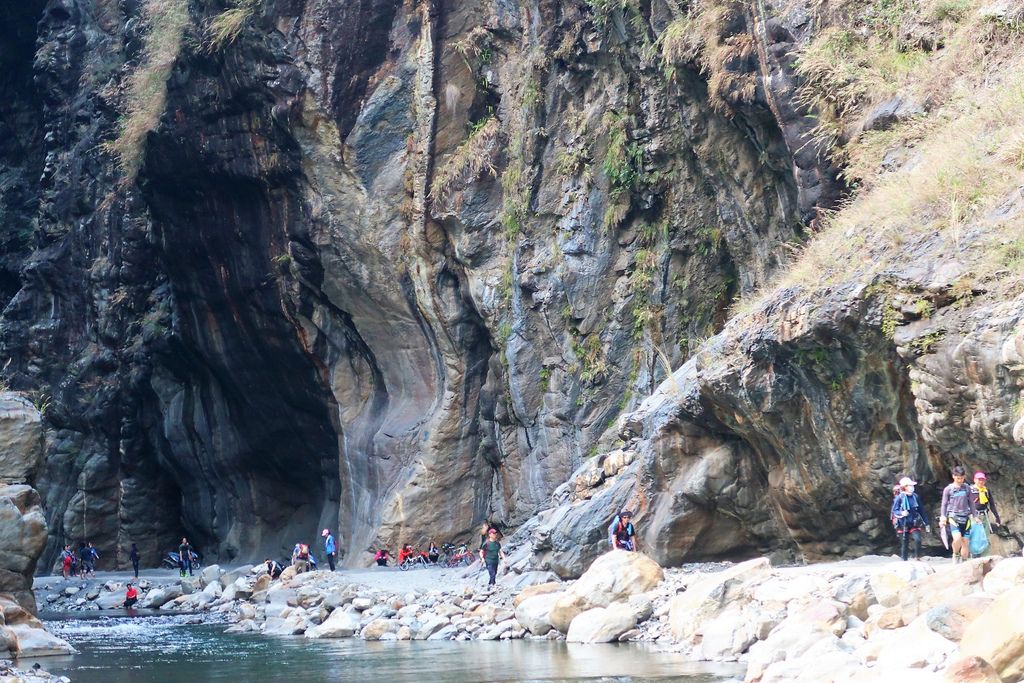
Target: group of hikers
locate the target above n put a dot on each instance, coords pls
(964, 514)
(81, 563)
(303, 558)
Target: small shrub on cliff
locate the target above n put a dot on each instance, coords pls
(146, 90)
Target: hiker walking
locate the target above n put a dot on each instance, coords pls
(622, 533)
(908, 517)
(89, 557)
(958, 507)
(185, 557)
(491, 554)
(134, 557)
(329, 547)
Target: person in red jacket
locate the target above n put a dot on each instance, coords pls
(131, 596)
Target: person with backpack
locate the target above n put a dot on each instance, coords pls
(134, 557)
(622, 533)
(274, 569)
(300, 558)
(908, 518)
(329, 547)
(185, 557)
(958, 509)
(491, 554)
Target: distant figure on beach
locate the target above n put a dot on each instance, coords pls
(131, 596)
(185, 557)
(491, 554)
(330, 547)
(134, 557)
(621, 532)
(274, 569)
(908, 518)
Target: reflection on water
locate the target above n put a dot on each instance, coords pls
(162, 649)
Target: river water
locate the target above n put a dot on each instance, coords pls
(165, 649)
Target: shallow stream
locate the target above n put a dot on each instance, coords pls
(165, 649)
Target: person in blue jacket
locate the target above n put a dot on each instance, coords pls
(908, 518)
(329, 547)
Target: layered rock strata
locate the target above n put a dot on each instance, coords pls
(387, 266)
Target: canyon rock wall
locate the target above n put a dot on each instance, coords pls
(397, 267)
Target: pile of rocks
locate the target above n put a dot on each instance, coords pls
(8, 674)
(865, 620)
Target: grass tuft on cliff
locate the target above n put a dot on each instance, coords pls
(224, 29)
(146, 87)
(947, 183)
(467, 162)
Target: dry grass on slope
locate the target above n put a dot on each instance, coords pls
(958, 192)
(146, 87)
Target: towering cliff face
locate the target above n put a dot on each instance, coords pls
(394, 266)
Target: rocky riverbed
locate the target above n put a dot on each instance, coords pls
(846, 621)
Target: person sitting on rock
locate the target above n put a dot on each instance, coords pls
(273, 568)
(958, 508)
(908, 518)
(131, 596)
(622, 533)
(381, 557)
(982, 497)
(433, 553)
(300, 558)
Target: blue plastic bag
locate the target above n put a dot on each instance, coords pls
(979, 540)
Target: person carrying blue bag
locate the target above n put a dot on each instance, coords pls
(958, 509)
(908, 518)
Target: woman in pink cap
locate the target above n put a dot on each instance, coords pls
(983, 499)
(909, 517)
